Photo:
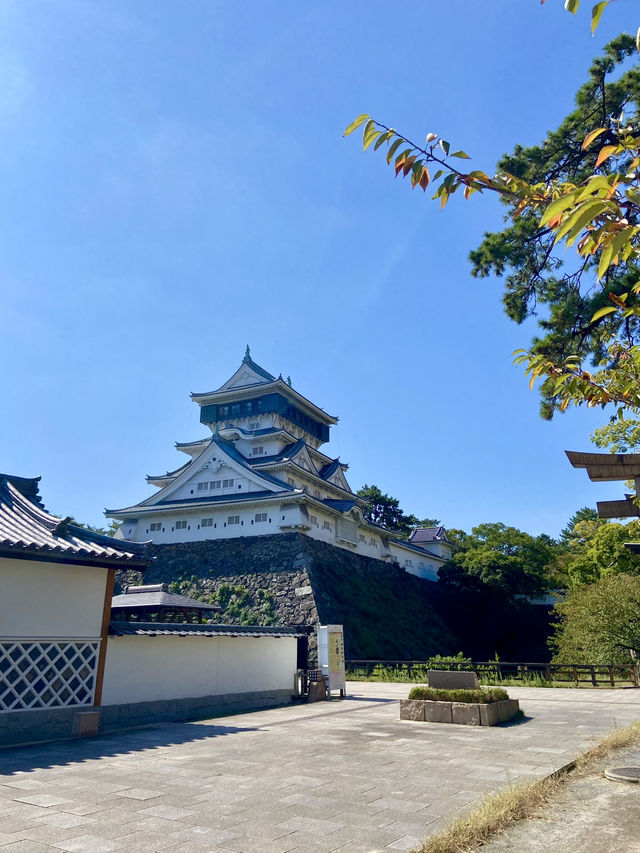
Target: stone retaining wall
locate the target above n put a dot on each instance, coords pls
(292, 579)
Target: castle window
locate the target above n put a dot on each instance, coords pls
(235, 410)
(233, 519)
(361, 538)
(225, 411)
(291, 481)
(326, 525)
(373, 542)
(261, 516)
(313, 519)
(254, 425)
(181, 525)
(227, 484)
(155, 525)
(214, 484)
(408, 563)
(207, 522)
(257, 451)
(203, 487)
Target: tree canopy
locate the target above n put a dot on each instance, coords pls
(385, 510)
(599, 623)
(502, 558)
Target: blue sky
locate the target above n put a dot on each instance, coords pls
(175, 185)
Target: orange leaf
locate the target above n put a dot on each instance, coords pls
(605, 152)
(424, 178)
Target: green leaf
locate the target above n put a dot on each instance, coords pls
(355, 124)
(370, 133)
(384, 137)
(416, 172)
(605, 260)
(596, 14)
(393, 148)
(558, 206)
(620, 240)
(602, 312)
(461, 155)
(572, 6)
(581, 216)
(445, 146)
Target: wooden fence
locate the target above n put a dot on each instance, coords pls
(579, 673)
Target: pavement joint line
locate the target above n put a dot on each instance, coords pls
(366, 707)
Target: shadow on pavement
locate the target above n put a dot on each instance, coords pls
(115, 744)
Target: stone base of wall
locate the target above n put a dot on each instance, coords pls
(115, 717)
(21, 727)
(18, 727)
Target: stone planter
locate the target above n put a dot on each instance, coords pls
(462, 713)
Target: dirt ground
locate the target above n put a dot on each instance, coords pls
(592, 814)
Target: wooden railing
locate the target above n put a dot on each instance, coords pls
(579, 673)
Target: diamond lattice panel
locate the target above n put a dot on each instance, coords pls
(47, 674)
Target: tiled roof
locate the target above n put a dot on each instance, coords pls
(230, 449)
(287, 452)
(169, 473)
(159, 629)
(157, 595)
(27, 486)
(327, 470)
(341, 506)
(428, 534)
(27, 530)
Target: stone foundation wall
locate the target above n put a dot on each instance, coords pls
(292, 579)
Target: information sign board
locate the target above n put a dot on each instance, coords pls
(331, 656)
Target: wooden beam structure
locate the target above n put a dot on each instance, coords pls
(618, 509)
(607, 467)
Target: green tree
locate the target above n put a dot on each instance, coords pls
(384, 510)
(599, 623)
(568, 534)
(501, 557)
(580, 186)
(598, 549)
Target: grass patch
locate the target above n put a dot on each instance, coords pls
(519, 802)
(441, 694)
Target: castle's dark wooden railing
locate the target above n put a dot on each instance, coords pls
(579, 673)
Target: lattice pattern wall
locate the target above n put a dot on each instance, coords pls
(47, 673)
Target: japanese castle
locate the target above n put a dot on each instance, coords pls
(262, 472)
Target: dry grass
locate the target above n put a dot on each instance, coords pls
(497, 811)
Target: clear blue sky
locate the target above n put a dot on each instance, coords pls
(175, 185)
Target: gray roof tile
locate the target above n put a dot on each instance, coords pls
(28, 530)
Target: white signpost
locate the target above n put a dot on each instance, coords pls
(331, 657)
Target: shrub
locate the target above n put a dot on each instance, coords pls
(451, 663)
(480, 696)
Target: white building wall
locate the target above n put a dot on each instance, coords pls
(145, 669)
(39, 599)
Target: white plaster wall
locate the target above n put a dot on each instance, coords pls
(39, 599)
(422, 570)
(144, 669)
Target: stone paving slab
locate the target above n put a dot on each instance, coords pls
(348, 776)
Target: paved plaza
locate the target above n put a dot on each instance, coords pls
(347, 775)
